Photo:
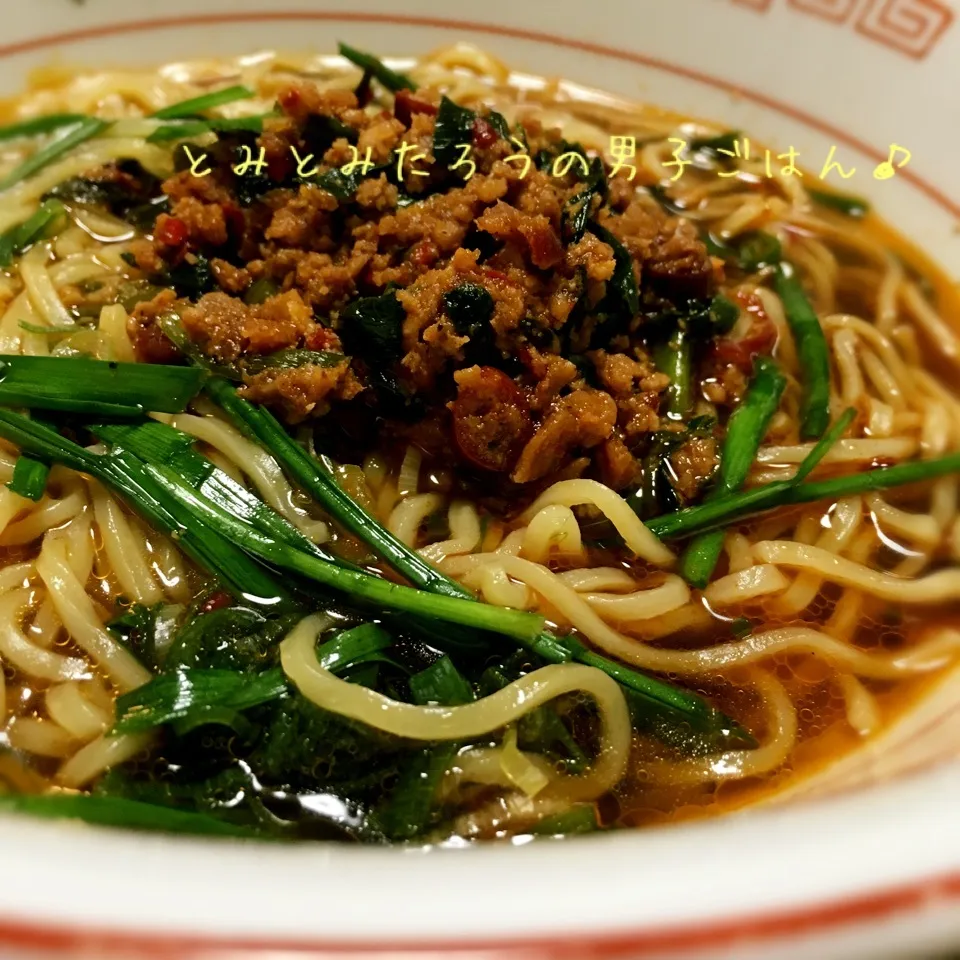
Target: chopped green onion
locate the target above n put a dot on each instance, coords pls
(757, 250)
(29, 478)
(846, 203)
(39, 125)
(812, 350)
(182, 692)
(389, 78)
(363, 644)
(72, 137)
(293, 357)
(745, 433)
(675, 359)
(157, 442)
(184, 130)
(203, 543)
(440, 683)
(823, 446)
(784, 493)
(42, 331)
(196, 105)
(99, 387)
(15, 240)
(524, 627)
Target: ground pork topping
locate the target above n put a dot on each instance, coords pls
(514, 311)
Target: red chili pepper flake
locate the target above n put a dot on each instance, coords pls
(170, 231)
(491, 423)
(216, 601)
(484, 134)
(290, 100)
(405, 105)
(322, 338)
(496, 275)
(236, 222)
(424, 254)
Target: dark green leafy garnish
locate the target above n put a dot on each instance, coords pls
(624, 281)
(191, 278)
(454, 126)
(579, 208)
(758, 250)
(350, 648)
(668, 203)
(407, 813)
(147, 631)
(372, 328)
(322, 131)
(470, 308)
(29, 478)
(261, 290)
(132, 292)
(499, 123)
(133, 195)
(580, 818)
(121, 812)
(344, 185)
(657, 495)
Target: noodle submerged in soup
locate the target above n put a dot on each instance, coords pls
(692, 444)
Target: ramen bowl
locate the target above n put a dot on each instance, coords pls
(862, 859)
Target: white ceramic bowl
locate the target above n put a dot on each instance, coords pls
(864, 862)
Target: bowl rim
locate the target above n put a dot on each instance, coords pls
(749, 930)
(878, 901)
(542, 37)
(829, 903)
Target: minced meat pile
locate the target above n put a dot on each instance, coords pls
(505, 323)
